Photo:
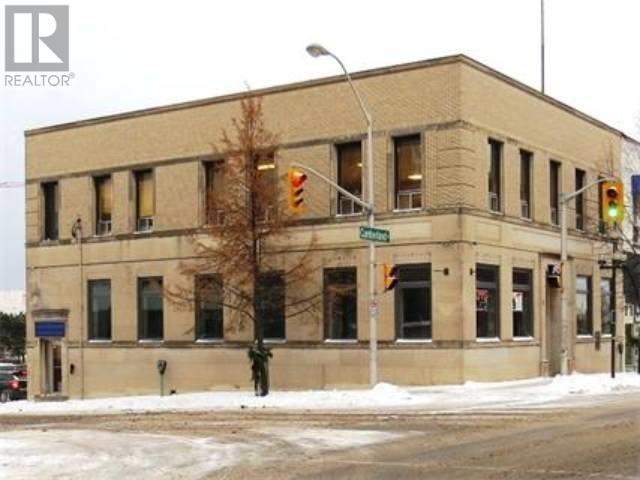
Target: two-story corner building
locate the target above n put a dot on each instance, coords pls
(469, 165)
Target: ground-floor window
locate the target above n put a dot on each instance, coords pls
(606, 305)
(209, 310)
(340, 304)
(522, 302)
(270, 304)
(99, 309)
(583, 305)
(487, 301)
(150, 309)
(413, 302)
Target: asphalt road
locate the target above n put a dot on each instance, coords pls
(599, 439)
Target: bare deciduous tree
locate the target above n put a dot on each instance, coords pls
(240, 262)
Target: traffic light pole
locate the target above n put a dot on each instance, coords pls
(564, 333)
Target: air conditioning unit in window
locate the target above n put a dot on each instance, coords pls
(524, 209)
(554, 216)
(145, 224)
(103, 227)
(635, 330)
(494, 202)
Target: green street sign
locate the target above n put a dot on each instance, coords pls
(375, 234)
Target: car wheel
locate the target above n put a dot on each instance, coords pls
(5, 396)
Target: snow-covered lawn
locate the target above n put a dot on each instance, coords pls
(83, 454)
(514, 394)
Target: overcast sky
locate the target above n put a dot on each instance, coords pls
(134, 54)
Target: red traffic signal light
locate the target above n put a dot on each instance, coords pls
(390, 277)
(295, 181)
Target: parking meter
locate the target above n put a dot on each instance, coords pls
(161, 365)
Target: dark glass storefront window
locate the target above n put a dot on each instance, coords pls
(487, 301)
(413, 302)
(522, 303)
(270, 308)
(583, 306)
(99, 309)
(606, 303)
(150, 309)
(340, 304)
(209, 310)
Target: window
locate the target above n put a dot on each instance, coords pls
(583, 305)
(580, 177)
(213, 179)
(349, 176)
(50, 200)
(413, 302)
(495, 168)
(209, 309)
(144, 201)
(99, 309)
(607, 303)
(487, 301)
(104, 199)
(270, 293)
(408, 172)
(554, 191)
(522, 303)
(150, 309)
(525, 184)
(635, 202)
(340, 304)
(266, 183)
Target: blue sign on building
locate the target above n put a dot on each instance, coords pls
(635, 185)
(50, 328)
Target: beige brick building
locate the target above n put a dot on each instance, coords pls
(477, 220)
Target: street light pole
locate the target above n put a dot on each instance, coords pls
(316, 50)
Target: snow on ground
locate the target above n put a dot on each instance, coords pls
(82, 454)
(471, 395)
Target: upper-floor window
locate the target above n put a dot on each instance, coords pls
(583, 305)
(607, 303)
(349, 176)
(145, 202)
(408, 172)
(340, 304)
(580, 177)
(413, 302)
(266, 187)
(525, 184)
(271, 304)
(554, 191)
(99, 309)
(209, 307)
(522, 302)
(487, 301)
(150, 309)
(50, 202)
(495, 174)
(104, 204)
(213, 189)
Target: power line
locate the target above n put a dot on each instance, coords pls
(11, 184)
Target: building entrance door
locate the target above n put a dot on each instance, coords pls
(52, 359)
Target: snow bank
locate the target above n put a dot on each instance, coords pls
(471, 395)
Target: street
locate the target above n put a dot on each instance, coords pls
(599, 439)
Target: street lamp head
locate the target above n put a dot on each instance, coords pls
(316, 50)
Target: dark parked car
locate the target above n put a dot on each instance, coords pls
(13, 386)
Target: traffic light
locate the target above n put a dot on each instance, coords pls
(612, 202)
(296, 179)
(390, 277)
